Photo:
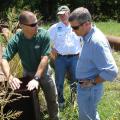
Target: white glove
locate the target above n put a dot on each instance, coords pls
(14, 83)
(33, 84)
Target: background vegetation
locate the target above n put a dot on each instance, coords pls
(101, 10)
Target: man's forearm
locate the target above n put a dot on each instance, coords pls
(6, 68)
(53, 54)
(42, 66)
(0, 53)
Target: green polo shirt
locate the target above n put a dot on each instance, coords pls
(29, 50)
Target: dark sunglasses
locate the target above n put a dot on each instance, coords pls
(31, 25)
(77, 27)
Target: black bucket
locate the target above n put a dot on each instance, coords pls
(29, 105)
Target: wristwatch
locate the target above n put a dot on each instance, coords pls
(37, 78)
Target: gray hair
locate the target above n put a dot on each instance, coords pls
(80, 14)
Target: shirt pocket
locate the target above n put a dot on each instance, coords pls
(61, 34)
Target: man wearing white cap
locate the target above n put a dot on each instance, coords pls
(65, 49)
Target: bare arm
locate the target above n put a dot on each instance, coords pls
(53, 53)
(14, 82)
(0, 53)
(6, 68)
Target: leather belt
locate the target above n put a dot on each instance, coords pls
(84, 83)
(70, 55)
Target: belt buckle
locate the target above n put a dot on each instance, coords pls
(86, 84)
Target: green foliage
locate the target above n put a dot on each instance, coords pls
(12, 18)
(101, 10)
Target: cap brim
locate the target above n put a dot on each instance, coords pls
(61, 12)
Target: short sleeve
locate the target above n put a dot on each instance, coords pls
(46, 45)
(52, 33)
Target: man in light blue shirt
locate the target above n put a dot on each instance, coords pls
(65, 51)
(95, 65)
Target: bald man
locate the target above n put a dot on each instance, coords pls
(33, 47)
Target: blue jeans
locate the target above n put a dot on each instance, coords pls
(88, 99)
(62, 65)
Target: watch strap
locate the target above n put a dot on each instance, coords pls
(37, 78)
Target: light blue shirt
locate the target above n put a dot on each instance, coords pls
(96, 57)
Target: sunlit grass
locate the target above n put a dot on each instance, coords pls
(109, 107)
(109, 28)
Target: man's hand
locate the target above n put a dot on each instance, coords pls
(53, 53)
(14, 82)
(33, 84)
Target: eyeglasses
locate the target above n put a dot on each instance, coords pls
(31, 25)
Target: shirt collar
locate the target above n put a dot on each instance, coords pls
(88, 36)
(64, 24)
(34, 36)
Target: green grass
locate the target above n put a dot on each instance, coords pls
(109, 28)
(109, 107)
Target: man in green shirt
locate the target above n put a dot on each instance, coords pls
(33, 47)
